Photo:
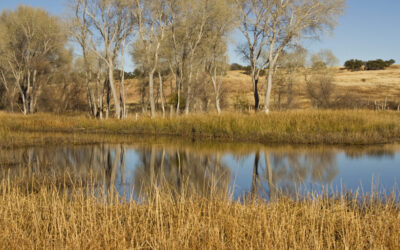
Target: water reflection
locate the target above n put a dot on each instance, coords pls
(288, 171)
(183, 172)
(136, 171)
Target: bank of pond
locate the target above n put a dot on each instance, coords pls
(184, 195)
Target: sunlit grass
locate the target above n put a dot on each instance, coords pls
(56, 213)
(299, 127)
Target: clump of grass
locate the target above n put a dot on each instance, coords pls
(298, 127)
(49, 217)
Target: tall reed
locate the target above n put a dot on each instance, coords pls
(300, 127)
(60, 212)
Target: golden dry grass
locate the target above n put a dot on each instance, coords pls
(296, 127)
(364, 85)
(50, 216)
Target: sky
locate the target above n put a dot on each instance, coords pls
(368, 30)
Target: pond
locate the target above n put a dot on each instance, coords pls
(232, 169)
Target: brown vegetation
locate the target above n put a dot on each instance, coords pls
(298, 127)
(63, 213)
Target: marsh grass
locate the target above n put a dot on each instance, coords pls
(295, 127)
(75, 217)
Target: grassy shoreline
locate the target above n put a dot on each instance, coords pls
(41, 210)
(294, 127)
(63, 215)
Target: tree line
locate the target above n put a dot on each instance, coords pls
(378, 64)
(182, 40)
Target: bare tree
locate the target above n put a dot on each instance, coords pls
(79, 31)
(319, 79)
(152, 23)
(112, 21)
(188, 19)
(33, 47)
(253, 18)
(291, 63)
(291, 20)
(215, 45)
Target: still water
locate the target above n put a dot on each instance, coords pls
(237, 170)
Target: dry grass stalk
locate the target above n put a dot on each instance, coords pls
(49, 217)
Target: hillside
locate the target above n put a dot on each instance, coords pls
(361, 88)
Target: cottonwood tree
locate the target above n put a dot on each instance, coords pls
(152, 23)
(215, 43)
(80, 32)
(291, 20)
(253, 18)
(319, 79)
(33, 44)
(188, 19)
(290, 65)
(111, 23)
(324, 58)
(6, 96)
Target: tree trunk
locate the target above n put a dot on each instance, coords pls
(269, 88)
(24, 104)
(122, 98)
(216, 92)
(256, 95)
(254, 184)
(22, 95)
(107, 98)
(96, 98)
(188, 93)
(90, 102)
(179, 87)
(162, 93)
(270, 177)
(89, 94)
(113, 90)
(189, 89)
(142, 96)
(217, 104)
(151, 94)
(122, 83)
(35, 92)
(100, 95)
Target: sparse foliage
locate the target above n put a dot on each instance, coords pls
(33, 50)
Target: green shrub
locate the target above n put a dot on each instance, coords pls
(378, 64)
(173, 100)
(390, 62)
(354, 65)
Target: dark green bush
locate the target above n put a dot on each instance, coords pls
(378, 64)
(173, 100)
(354, 65)
(390, 62)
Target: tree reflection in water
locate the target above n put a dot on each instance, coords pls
(180, 171)
(289, 171)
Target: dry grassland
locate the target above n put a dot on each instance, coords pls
(362, 85)
(294, 127)
(66, 215)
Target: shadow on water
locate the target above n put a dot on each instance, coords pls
(137, 171)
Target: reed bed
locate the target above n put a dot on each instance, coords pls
(295, 127)
(43, 215)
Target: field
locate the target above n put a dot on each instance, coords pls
(55, 210)
(361, 86)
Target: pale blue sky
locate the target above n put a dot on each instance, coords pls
(368, 30)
